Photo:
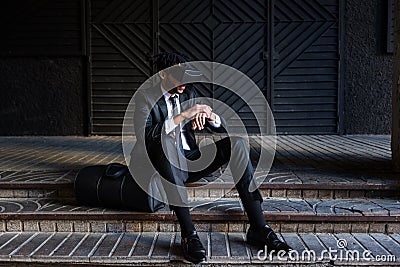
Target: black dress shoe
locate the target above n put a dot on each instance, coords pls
(266, 237)
(193, 250)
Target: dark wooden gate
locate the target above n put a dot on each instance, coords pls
(305, 87)
(288, 47)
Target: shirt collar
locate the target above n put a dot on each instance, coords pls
(166, 94)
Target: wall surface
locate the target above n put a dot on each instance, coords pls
(396, 92)
(47, 96)
(41, 96)
(368, 69)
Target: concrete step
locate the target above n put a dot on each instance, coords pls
(226, 215)
(278, 183)
(223, 249)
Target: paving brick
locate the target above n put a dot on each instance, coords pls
(98, 227)
(393, 228)
(48, 226)
(202, 227)
(7, 193)
(327, 194)
(167, 227)
(31, 226)
(267, 192)
(341, 193)
(278, 193)
(116, 227)
(14, 226)
(81, 226)
(231, 193)
(276, 226)
(216, 193)
(310, 193)
(295, 193)
(236, 227)
(41, 193)
(191, 192)
(148, 226)
(359, 227)
(377, 227)
(219, 227)
(64, 226)
(342, 227)
(293, 228)
(201, 193)
(133, 227)
(20, 193)
(304, 228)
(324, 227)
(3, 225)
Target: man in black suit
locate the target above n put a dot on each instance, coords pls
(166, 128)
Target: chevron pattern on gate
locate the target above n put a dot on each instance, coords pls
(121, 46)
(121, 11)
(306, 71)
(305, 82)
(228, 32)
(298, 25)
(131, 40)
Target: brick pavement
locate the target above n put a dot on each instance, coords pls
(320, 189)
(162, 248)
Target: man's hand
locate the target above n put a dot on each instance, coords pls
(192, 112)
(200, 119)
(196, 109)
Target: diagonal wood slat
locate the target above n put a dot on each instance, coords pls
(301, 28)
(306, 71)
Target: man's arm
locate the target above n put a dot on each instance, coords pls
(145, 126)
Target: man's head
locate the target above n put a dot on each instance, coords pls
(172, 77)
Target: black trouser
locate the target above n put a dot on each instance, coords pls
(233, 149)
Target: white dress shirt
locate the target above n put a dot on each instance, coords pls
(170, 124)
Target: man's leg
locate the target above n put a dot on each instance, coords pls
(173, 184)
(192, 247)
(235, 150)
(242, 172)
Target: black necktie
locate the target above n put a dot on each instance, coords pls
(173, 102)
(172, 99)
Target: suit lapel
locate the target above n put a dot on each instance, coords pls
(163, 107)
(160, 102)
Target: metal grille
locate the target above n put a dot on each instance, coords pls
(303, 89)
(121, 43)
(306, 70)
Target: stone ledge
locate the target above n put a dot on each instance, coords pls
(298, 215)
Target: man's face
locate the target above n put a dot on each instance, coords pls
(172, 82)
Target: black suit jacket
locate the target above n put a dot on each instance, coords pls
(149, 129)
(150, 113)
